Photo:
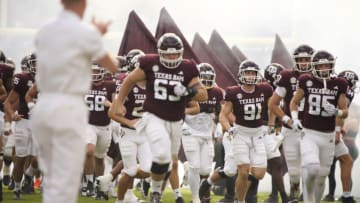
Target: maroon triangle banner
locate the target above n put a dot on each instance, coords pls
(137, 36)
(280, 54)
(222, 50)
(224, 77)
(167, 24)
(238, 53)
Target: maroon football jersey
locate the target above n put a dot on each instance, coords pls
(288, 80)
(6, 74)
(95, 99)
(215, 98)
(160, 82)
(134, 103)
(22, 82)
(248, 107)
(315, 117)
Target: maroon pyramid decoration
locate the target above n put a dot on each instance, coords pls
(137, 36)
(238, 53)
(167, 24)
(222, 50)
(280, 54)
(224, 77)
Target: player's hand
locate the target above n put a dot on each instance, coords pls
(296, 125)
(330, 108)
(338, 136)
(180, 90)
(101, 25)
(16, 117)
(133, 122)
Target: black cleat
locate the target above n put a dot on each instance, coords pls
(204, 189)
(179, 200)
(90, 191)
(329, 198)
(145, 186)
(100, 195)
(155, 197)
(16, 195)
(6, 180)
(28, 185)
(348, 199)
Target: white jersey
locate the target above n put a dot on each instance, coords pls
(201, 124)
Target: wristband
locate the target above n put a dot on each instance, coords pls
(7, 126)
(337, 129)
(191, 92)
(339, 112)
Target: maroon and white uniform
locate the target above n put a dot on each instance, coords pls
(162, 121)
(198, 130)
(6, 74)
(286, 88)
(341, 148)
(248, 146)
(98, 116)
(134, 148)
(24, 145)
(317, 144)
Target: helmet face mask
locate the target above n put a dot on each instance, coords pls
(32, 63)
(323, 64)
(207, 75)
(170, 49)
(302, 57)
(97, 73)
(249, 73)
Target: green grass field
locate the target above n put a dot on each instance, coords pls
(168, 197)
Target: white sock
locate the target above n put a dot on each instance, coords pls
(17, 186)
(346, 194)
(177, 193)
(194, 181)
(90, 177)
(156, 185)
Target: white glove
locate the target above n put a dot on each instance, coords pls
(297, 125)
(180, 90)
(103, 182)
(330, 108)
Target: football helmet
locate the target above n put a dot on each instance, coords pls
(170, 49)
(98, 72)
(272, 73)
(207, 75)
(10, 62)
(351, 77)
(320, 58)
(132, 58)
(32, 63)
(24, 65)
(244, 76)
(302, 57)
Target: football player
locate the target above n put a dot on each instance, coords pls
(325, 99)
(245, 153)
(198, 131)
(98, 137)
(24, 146)
(341, 150)
(170, 82)
(284, 91)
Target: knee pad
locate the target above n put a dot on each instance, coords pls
(159, 168)
(312, 169)
(131, 171)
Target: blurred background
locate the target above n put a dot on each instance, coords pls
(250, 25)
